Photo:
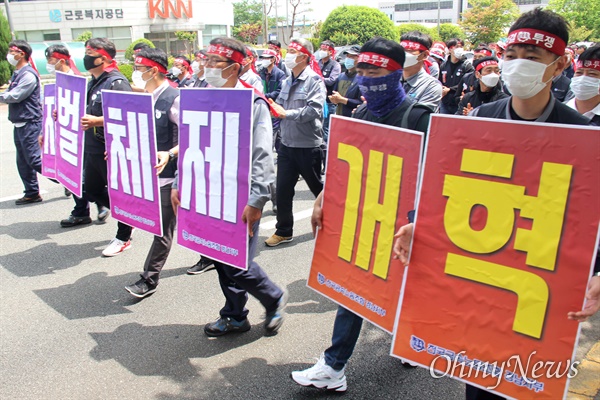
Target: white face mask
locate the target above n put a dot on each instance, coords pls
(410, 60)
(214, 76)
(175, 71)
(290, 61)
(264, 63)
(11, 59)
(490, 80)
(138, 79)
(51, 68)
(585, 87)
(195, 67)
(458, 52)
(321, 54)
(524, 78)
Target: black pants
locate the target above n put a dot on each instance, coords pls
(474, 393)
(291, 163)
(161, 245)
(29, 156)
(95, 176)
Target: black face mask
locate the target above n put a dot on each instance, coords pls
(88, 62)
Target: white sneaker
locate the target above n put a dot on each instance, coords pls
(321, 376)
(115, 247)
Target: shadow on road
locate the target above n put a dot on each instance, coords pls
(304, 300)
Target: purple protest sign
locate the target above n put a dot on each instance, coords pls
(130, 137)
(49, 148)
(215, 136)
(70, 107)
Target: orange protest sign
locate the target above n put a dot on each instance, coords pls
(505, 238)
(370, 187)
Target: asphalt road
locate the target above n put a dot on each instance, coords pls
(69, 330)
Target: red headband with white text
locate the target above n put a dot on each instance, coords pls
(379, 60)
(149, 63)
(408, 45)
(484, 64)
(538, 38)
(226, 52)
(593, 64)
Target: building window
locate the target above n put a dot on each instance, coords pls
(120, 36)
(430, 5)
(212, 31)
(39, 36)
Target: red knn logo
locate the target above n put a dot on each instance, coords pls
(170, 8)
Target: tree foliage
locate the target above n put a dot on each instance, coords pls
(189, 40)
(84, 37)
(5, 38)
(409, 27)
(129, 51)
(249, 33)
(487, 19)
(361, 21)
(581, 14)
(450, 31)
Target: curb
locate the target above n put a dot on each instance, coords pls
(586, 385)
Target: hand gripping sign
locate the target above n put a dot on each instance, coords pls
(504, 243)
(70, 107)
(370, 186)
(133, 186)
(48, 132)
(215, 139)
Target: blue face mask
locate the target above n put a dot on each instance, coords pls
(349, 63)
(383, 94)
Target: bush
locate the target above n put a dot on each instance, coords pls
(362, 22)
(127, 70)
(129, 51)
(84, 37)
(343, 39)
(5, 38)
(405, 28)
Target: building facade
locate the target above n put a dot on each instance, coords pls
(447, 11)
(122, 21)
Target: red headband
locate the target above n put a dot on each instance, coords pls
(149, 63)
(300, 48)
(186, 63)
(542, 39)
(379, 61)
(268, 53)
(408, 45)
(484, 64)
(328, 47)
(16, 49)
(226, 52)
(484, 51)
(113, 64)
(68, 59)
(593, 64)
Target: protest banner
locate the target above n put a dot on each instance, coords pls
(48, 130)
(504, 241)
(370, 186)
(70, 107)
(133, 186)
(215, 138)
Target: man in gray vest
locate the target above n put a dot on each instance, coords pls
(25, 112)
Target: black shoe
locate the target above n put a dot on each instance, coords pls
(74, 221)
(28, 200)
(103, 214)
(68, 192)
(203, 265)
(225, 325)
(274, 318)
(141, 288)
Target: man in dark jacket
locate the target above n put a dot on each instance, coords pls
(346, 93)
(451, 73)
(487, 87)
(331, 70)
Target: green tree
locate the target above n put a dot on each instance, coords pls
(364, 22)
(189, 40)
(409, 27)
(449, 31)
(129, 51)
(247, 12)
(487, 19)
(343, 39)
(250, 32)
(581, 14)
(5, 38)
(84, 37)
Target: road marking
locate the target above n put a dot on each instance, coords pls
(17, 196)
(297, 217)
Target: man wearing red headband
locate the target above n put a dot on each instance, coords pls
(248, 73)
(99, 61)
(331, 71)
(275, 45)
(379, 70)
(570, 70)
(300, 108)
(486, 88)
(182, 71)
(467, 82)
(25, 112)
(198, 69)
(586, 85)
(451, 73)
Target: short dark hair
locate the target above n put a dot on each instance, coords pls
(252, 51)
(484, 59)
(140, 46)
(544, 20)
(57, 48)
(385, 47)
(23, 46)
(104, 44)
(184, 58)
(593, 53)
(275, 43)
(419, 37)
(200, 52)
(454, 41)
(156, 55)
(328, 43)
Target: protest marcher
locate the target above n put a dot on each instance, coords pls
(198, 69)
(150, 68)
(451, 72)
(570, 70)
(331, 70)
(138, 47)
(586, 85)
(59, 59)
(275, 45)
(99, 61)
(561, 88)
(346, 93)
(225, 59)
(529, 67)
(486, 89)
(249, 74)
(417, 83)
(467, 82)
(579, 50)
(25, 112)
(182, 72)
(300, 108)
(380, 64)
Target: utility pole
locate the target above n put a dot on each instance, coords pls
(439, 10)
(266, 22)
(8, 17)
